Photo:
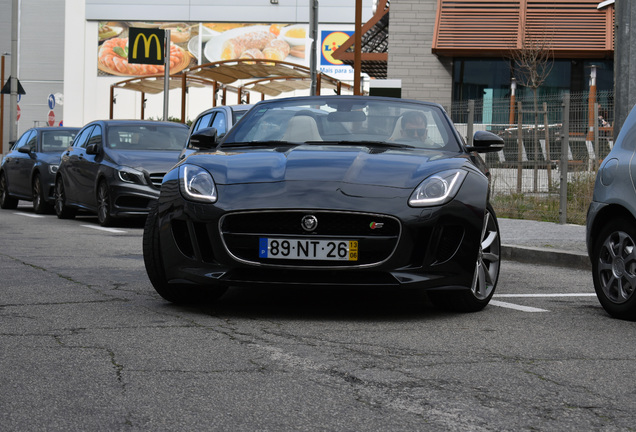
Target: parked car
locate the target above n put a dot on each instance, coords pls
(611, 226)
(330, 190)
(28, 169)
(221, 118)
(114, 168)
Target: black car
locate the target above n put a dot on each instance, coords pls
(611, 226)
(115, 167)
(221, 118)
(28, 169)
(330, 190)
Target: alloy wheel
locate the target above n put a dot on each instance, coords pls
(617, 267)
(488, 260)
(103, 205)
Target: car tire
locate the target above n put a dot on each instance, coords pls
(40, 206)
(614, 268)
(6, 200)
(61, 209)
(486, 273)
(104, 205)
(175, 293)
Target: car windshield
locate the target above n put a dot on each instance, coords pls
(146, 137)
(346, 120)
(57, 141)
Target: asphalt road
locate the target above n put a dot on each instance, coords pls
(88, 345)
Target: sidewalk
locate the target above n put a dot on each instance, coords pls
(544, 243)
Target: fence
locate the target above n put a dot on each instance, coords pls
(551, 153)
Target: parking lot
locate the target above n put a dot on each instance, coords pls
(89, 345)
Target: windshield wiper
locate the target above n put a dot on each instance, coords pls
(364, 143)
(259, 143)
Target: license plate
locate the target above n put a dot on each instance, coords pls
(308, 249)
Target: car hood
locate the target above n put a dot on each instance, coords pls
(50, 158)
(149, 160)
(351, 164)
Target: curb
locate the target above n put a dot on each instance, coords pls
(543, 256)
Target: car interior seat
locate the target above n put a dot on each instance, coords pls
(302, 128)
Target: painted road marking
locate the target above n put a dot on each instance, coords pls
(532, 309)
(112, 230)
(29, 215)
(547, 295)
(516, 307)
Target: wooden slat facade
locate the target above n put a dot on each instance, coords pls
(477, 28)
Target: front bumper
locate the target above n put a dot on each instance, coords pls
(131, 200)
(434, 247)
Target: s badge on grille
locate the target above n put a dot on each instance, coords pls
(309, 222)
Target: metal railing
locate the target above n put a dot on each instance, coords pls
(551, 154)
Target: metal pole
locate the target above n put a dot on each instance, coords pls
(357, 52)
(166, 76)
(565, 145)
(624, 64)
(597, 159)
(13, 100)
(519, 147)
(471, 121)
(548, 159)
(2, 111)
(313, 34)
(513, 90)
(591, 120)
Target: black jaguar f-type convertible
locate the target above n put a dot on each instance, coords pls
(349, 191)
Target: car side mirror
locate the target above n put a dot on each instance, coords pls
(92, 149)
(24, 149)
(205, 138)
(486, 142)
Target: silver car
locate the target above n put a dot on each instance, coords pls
(611, 226)
(221, 118)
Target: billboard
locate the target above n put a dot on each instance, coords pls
(331, 41)
(199, 43)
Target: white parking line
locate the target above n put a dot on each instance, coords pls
(33, 215)
(531, 309)
(547, 295)
(112, 230)
(516, 307)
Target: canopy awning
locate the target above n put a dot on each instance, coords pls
(268, 77)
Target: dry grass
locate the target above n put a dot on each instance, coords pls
(545, 206)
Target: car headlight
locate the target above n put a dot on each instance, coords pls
(53, 169)
(197, 184)
(130, 175)
(437, 189)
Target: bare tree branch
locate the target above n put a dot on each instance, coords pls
(533, 61)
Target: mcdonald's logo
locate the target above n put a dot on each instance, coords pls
(145, 46)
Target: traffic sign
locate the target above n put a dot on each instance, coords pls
(51, 101)
(51, 118)
(6, 89)
(18, 113)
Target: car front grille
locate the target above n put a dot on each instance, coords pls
(156, 179)
(377, 235)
